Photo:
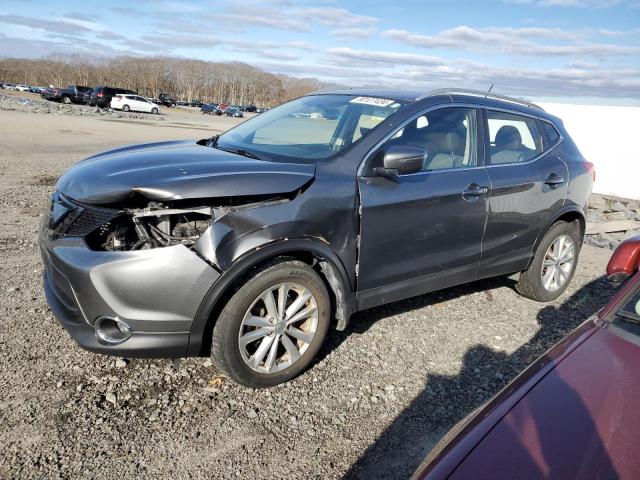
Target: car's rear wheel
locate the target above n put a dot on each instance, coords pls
(273, 326)
(553, 265)
(154, 111)
(125, 108)
(66, 100)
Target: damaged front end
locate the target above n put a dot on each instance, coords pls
(156, 225)
(122, 229)
(151, 225)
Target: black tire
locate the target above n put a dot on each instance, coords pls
(66, 100)
(530, 283)
(125, 108)
(225, 350)
(154, 111)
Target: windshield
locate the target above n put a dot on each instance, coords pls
(309, 128)
(626, 322)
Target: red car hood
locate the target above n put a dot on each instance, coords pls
(582, 420)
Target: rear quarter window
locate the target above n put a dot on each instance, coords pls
(550, 135)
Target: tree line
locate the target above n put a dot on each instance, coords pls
(232, 82)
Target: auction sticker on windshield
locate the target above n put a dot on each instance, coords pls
(379, 102)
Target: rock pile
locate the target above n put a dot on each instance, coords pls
(39, 105)
(610, 220)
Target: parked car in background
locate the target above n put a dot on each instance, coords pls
(22, 88)
(86, 96)
(70, 94)
(101, 96)
(574, 413)
(34, 89)
(251, 241)
(167, 100)
(233, 112)
(8, 86)
(134, 103)
(261, 110)
(209, 109)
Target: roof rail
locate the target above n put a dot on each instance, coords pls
(479, 93)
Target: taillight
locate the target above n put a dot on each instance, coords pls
(591, 167)
(100, 94)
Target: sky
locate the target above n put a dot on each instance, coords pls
(574, 51)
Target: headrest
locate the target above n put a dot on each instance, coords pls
(454, 143)
(509, 138)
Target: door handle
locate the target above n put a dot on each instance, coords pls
(554, 180)
(473, 191)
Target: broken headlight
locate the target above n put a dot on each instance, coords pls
(157, 225)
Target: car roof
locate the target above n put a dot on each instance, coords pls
(391, 94)
(450, 95)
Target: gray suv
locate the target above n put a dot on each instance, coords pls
(248, 246)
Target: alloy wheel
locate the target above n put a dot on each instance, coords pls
(558, 263)
(278, 327)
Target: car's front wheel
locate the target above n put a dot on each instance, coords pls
(154, 111)
(273, 326)
(553, 264)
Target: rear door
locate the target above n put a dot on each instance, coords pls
(528, 185)
(423, 231)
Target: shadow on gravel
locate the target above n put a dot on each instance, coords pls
(362, 321)
(448, 399)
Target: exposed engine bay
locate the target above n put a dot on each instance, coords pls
(157, 225)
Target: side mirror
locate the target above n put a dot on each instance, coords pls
(401, 160)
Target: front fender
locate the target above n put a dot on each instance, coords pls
(330, 265)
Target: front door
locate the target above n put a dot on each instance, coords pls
(423, 231)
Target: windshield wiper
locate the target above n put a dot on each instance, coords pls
(239, 151)
(628, 316)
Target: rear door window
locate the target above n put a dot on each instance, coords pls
(513, 138)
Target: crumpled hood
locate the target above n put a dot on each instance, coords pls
(177, 170)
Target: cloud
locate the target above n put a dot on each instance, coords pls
(64, 44)
(288, 17)
(59, 25)
(263, 17)
(373, 57)
(335, 17)
(358, 68)
(511, 41)
(356, 32)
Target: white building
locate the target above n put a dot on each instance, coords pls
(609, 137)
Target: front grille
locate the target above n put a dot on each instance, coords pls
(76, 219)
(89, 219)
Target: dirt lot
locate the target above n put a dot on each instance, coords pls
(373, 405)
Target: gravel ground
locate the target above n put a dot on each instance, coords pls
(378, 398)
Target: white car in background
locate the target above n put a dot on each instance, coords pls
(22, 88)
(133, 103)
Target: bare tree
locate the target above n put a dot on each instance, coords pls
(234, 82)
